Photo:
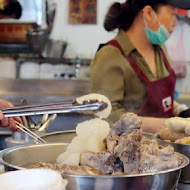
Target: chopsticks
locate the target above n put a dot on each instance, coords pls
(52, 108)
(29, 132)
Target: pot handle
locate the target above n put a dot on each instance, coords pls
(5, 163)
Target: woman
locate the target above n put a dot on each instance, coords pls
(5, 122)
(134, 70)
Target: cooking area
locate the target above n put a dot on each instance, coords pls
(94, 94)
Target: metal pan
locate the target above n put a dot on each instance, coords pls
(14, 158)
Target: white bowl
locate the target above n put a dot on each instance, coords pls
(32, 179)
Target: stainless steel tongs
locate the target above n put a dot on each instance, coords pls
(54, 108)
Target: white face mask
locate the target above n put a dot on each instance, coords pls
(158, 37)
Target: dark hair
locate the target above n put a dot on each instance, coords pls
(121, 16)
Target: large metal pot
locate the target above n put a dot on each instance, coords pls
(14, 158)
(68, 135)
(54, 49)
(183, 149)
(36, 39)
(59, 137)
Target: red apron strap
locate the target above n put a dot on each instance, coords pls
(137, 69)
(131, 61)
(166, 61)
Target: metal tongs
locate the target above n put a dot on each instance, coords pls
(54, 108)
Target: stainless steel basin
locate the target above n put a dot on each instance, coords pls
(15, 157)
(59, 137)
(68, 135)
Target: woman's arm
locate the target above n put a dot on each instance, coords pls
(152, 124)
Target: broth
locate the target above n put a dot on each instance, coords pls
(33, 164)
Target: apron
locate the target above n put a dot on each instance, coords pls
(160, 93)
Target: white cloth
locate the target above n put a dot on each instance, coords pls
(180, 108)
(32, 179)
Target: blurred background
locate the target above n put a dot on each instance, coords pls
(45, 54)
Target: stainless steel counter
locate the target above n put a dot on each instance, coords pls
(39, 91)
(50, 90)
(44, 91)
(184, 99)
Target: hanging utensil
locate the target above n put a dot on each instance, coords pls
(47, 123)
(42, 121)
(29, 132)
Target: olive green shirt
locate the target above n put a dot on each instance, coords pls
(113, 76)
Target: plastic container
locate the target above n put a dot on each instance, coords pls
(32, 179)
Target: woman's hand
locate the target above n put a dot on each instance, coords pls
(5, 122)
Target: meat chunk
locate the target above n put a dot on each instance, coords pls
(156, 158)
(111, 142)
(129, 143)
(78, 170)
(140, 154)
(44, 165)
(128, 123)
(67, 169)
(126, 152)
(103, 161)
(168, 134)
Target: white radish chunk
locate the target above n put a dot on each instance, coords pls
(70, 158)
(77, 145)
(96, 127)
(95, 144)
(101, 98)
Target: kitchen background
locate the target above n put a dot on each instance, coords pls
(59, 69)
(71, 43)
(83, 40)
